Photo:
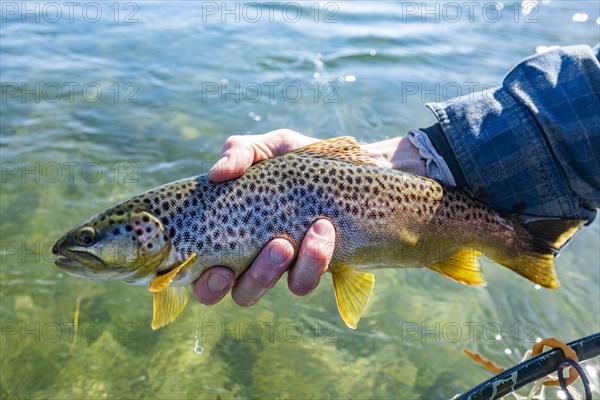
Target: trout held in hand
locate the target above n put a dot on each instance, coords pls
(167, 237)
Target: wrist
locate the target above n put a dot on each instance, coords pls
(398, 153)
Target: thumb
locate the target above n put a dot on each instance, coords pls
(229, 166)
(236, 157)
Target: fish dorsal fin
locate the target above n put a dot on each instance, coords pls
(168, 305)
(352, 292)
(343, 148)
(463, 267)
(161, 282)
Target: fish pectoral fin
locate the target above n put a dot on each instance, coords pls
(161, 282)
(352, 292)
(463, 267)
(168, 305)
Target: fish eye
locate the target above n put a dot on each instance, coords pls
(86, 236)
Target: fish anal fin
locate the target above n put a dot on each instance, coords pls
(463, 267)
(352, 292)
(343, 148)
(168, 305)
(161, 282)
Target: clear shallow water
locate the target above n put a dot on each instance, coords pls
(167, 103)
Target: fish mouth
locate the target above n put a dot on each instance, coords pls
(68, 263)
(77, 262)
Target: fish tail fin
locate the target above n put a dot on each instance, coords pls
(534, 255)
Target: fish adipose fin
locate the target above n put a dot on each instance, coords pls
(343, 148)
(168, 305)
(169, 302)
(535, 258)
(352, 292)
(463, 267)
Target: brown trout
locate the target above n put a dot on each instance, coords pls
(167, 237)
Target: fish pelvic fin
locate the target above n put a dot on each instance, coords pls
(352, 293)
(161, 282)
(534, 257)
(168, 305)
(462, 267)
(343, 148)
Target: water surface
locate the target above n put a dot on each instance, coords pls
(98, 108)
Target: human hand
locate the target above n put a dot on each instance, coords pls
(238, 154)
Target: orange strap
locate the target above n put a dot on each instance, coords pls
(486, 363)
(536, 350)
(567, 351)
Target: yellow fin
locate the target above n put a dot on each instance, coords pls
(463, 267)
(161, 282)
(352, 292)
(343, 148)
(168, 305)
(534, 257)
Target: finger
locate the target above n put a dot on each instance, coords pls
(213, 285)
(236, 157)
(240, 152)
(264, 272)
(313, 259)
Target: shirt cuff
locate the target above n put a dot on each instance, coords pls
(435, 165)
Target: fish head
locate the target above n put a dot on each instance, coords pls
(123, 243)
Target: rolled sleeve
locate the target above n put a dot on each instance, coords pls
(532, 146)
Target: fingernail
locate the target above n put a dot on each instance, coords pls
(217, 283)
(322, 228)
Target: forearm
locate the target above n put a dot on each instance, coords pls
(531, 146)
(414, 153)
(397, 153)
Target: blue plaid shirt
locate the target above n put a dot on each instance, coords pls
(532, 146)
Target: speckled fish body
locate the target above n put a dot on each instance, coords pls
(167, 237)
